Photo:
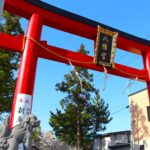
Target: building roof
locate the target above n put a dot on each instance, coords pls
(36, 145)
(137, 92)
(35, 148)
(113, 133)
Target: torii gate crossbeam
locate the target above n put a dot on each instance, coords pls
(39, 14)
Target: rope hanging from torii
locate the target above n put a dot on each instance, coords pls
(81, 62)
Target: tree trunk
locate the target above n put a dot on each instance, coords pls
(78, 129)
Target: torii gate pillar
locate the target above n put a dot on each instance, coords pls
(22, 102)
(146, 61)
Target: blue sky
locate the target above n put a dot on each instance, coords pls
(129, 16)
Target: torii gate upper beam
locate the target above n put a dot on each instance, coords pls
(72, 23)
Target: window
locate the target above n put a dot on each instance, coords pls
(121, 138)
(141, 147)
(148, 112)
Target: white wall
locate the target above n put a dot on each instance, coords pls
(140, 125)
(103, 143)
(97, 144)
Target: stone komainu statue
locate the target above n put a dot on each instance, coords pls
(21, 133)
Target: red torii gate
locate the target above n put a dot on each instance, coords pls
(39, 14)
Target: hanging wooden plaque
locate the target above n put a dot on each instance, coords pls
(105, 47)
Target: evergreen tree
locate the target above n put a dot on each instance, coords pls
(9, 62)
(36, 134)
(83, 113)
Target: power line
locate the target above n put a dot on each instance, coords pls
(119, 110)
(121, 56)
(133, 58)
(120, 105)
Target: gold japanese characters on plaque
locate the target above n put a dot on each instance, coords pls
(105, 47)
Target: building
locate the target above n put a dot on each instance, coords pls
(113, 141)
(140, 125)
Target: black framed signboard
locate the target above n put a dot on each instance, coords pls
(105, 47)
